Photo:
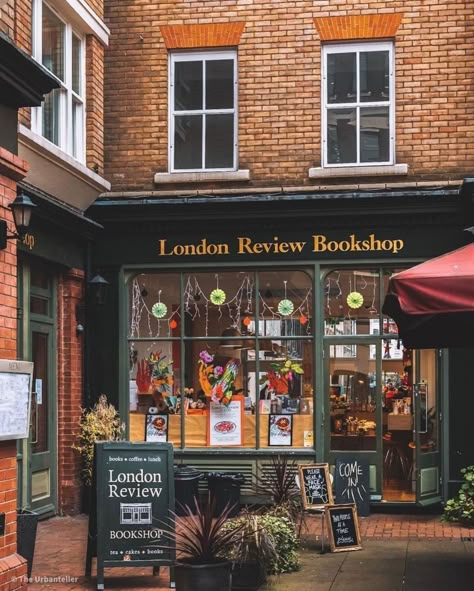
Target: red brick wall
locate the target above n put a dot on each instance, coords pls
(12, 566)
(95, 105)
(70, 386)
(7, 13)
(279, 87)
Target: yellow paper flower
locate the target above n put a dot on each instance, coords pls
(355, 300)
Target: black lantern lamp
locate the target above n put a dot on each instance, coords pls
(21, 209)
(98, 286)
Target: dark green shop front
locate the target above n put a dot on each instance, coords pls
(240, 327)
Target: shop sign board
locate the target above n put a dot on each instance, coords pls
(343, 528)
(315, 483)
(352, 483)
(15, 398)
(133, 503)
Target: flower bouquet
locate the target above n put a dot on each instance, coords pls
(217, 381)
(281, 376)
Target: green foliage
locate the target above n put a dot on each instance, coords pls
(268, 538)
(101, 423)
(254, 543)
(285, 540)
(461, 508)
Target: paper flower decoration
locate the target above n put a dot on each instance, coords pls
(159, 310)
(217, 297)
(286, 307)
(355, 300)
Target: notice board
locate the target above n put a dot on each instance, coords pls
(352, 483)
(16, 378)
(133, 501)
(343, 528)
(315, 483)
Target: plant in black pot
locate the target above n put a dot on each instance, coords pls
(202, 544)
(252, 553)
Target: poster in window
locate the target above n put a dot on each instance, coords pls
(280, 430)
(225, 423)
(156, 428)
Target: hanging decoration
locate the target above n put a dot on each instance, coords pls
(246, 321)
(286, 306)
(355, 300)
(303, 319)
(217, 297)
(159, 310)
(173, 324)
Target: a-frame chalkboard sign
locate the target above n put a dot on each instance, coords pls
(343, 527)
(315, 483)
(133, 497)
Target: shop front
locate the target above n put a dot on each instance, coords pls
(238, 341)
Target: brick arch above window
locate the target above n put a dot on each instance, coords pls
(361, 26)
(202, 35)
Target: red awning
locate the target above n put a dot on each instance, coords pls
(433, 303)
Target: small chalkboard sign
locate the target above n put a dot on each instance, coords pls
(315, 483)
(352, 483)
(133, 494)
(343, 527)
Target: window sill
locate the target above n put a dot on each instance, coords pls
(58, 174)
(201, 177)
(375, 170)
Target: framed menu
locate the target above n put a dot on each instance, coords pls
(15, 398)
(343, 527)
(156, 428)
(280, 430)
(225, 423)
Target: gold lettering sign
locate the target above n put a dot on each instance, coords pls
(245, 245)
(28, 240)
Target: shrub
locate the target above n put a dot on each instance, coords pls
(285, 540)
(101, 423)
(461, 508)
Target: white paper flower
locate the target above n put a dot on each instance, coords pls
(286, 307)
(159, 310)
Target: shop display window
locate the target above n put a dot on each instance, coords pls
(227, 356)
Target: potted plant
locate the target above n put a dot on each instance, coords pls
(252, 553)
(100, 423)
(202, 544)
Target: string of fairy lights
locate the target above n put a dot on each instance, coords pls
(155, 317)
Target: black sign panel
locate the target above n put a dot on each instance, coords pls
(352, 483)
(315, 485)
(343, 527)
(134, 488)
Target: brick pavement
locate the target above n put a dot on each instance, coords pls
(61, 546)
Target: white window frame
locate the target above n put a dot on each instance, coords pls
(358, 48)
(73, 145)
(200, 56)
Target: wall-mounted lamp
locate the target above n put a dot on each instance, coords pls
(21, 209)
(98, 286)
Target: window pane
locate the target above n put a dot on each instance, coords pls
(76, 64)
(188, 142)
(76, 129)
(341, 134)
(220, 141)
(374, 76)
(188, 86)
(220, 84)
(353, 399)
(341, 78)
(51, 116)
(53, 43)
(374, 134)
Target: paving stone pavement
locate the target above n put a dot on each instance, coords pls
(400, 553)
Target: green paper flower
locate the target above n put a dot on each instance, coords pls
(217, 297)
(286, 307)
(355, 300)
(159, 310)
